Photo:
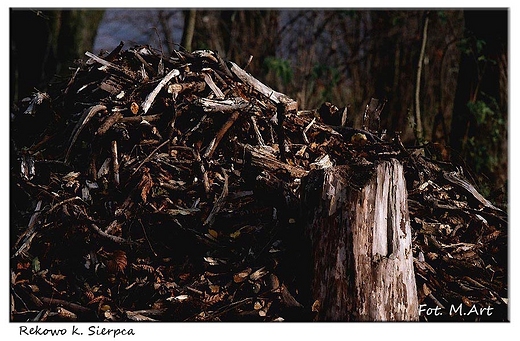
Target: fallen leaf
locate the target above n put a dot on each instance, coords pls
(241, 276)
(213, 233)
(134, 107)
(426, 290)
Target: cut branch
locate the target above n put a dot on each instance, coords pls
(151, 97)
(216, 140)
(276, 97)
(87, 115)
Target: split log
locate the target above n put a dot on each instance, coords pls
(264, 159)
(361, 245)
(277, 97)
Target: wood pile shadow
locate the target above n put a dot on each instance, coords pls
(154, 188)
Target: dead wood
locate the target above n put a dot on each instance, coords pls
(170, 189)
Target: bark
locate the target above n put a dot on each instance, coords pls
(361, 246)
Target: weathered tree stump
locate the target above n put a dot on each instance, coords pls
(361, 245)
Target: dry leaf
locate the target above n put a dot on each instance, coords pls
(213, 233)
(258, 274)
(120, 260)
(184, 276)
(275, 282)
(426, 290)
(214, 288)
(145, 184)
(96, 300)
(235, 234)
(134, 107)
(467, 302)
(23, 265)
(212, 299)
(57, 277)
(116, 261)
(241, 276)
(315, 306)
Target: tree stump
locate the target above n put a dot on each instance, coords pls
(361, 245)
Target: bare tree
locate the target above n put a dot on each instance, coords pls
(480, 113)
(160, 28)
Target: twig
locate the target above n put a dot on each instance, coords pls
(148, 240)
(216, 140)
(13, 291)
(223, 66)
(213, 86)
(434, 299)
(223, 105)
(176, 88)
(147, 65)
(66, 314)
(141, 118)
(201, 236)
(87, 115)
(257, 132)
(195, 290)
(219, 204)
(66, 201)
(110, 65)
(249, 60)
(456, 178)
(344, 117)
(229, 307)
(74, 307)
(281, 111)
(263, 159)
(203, 172)
(149, 156)
(307, 129)
(30, 233)
(115, 160)
(151, 97)
(113, 238)
(32, 222)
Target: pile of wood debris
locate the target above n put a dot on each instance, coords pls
(167, 188)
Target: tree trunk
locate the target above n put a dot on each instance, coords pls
(189, 29)
(45, 44)
(361, 245)
(479, 124)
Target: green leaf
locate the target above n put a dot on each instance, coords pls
(280, 67)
